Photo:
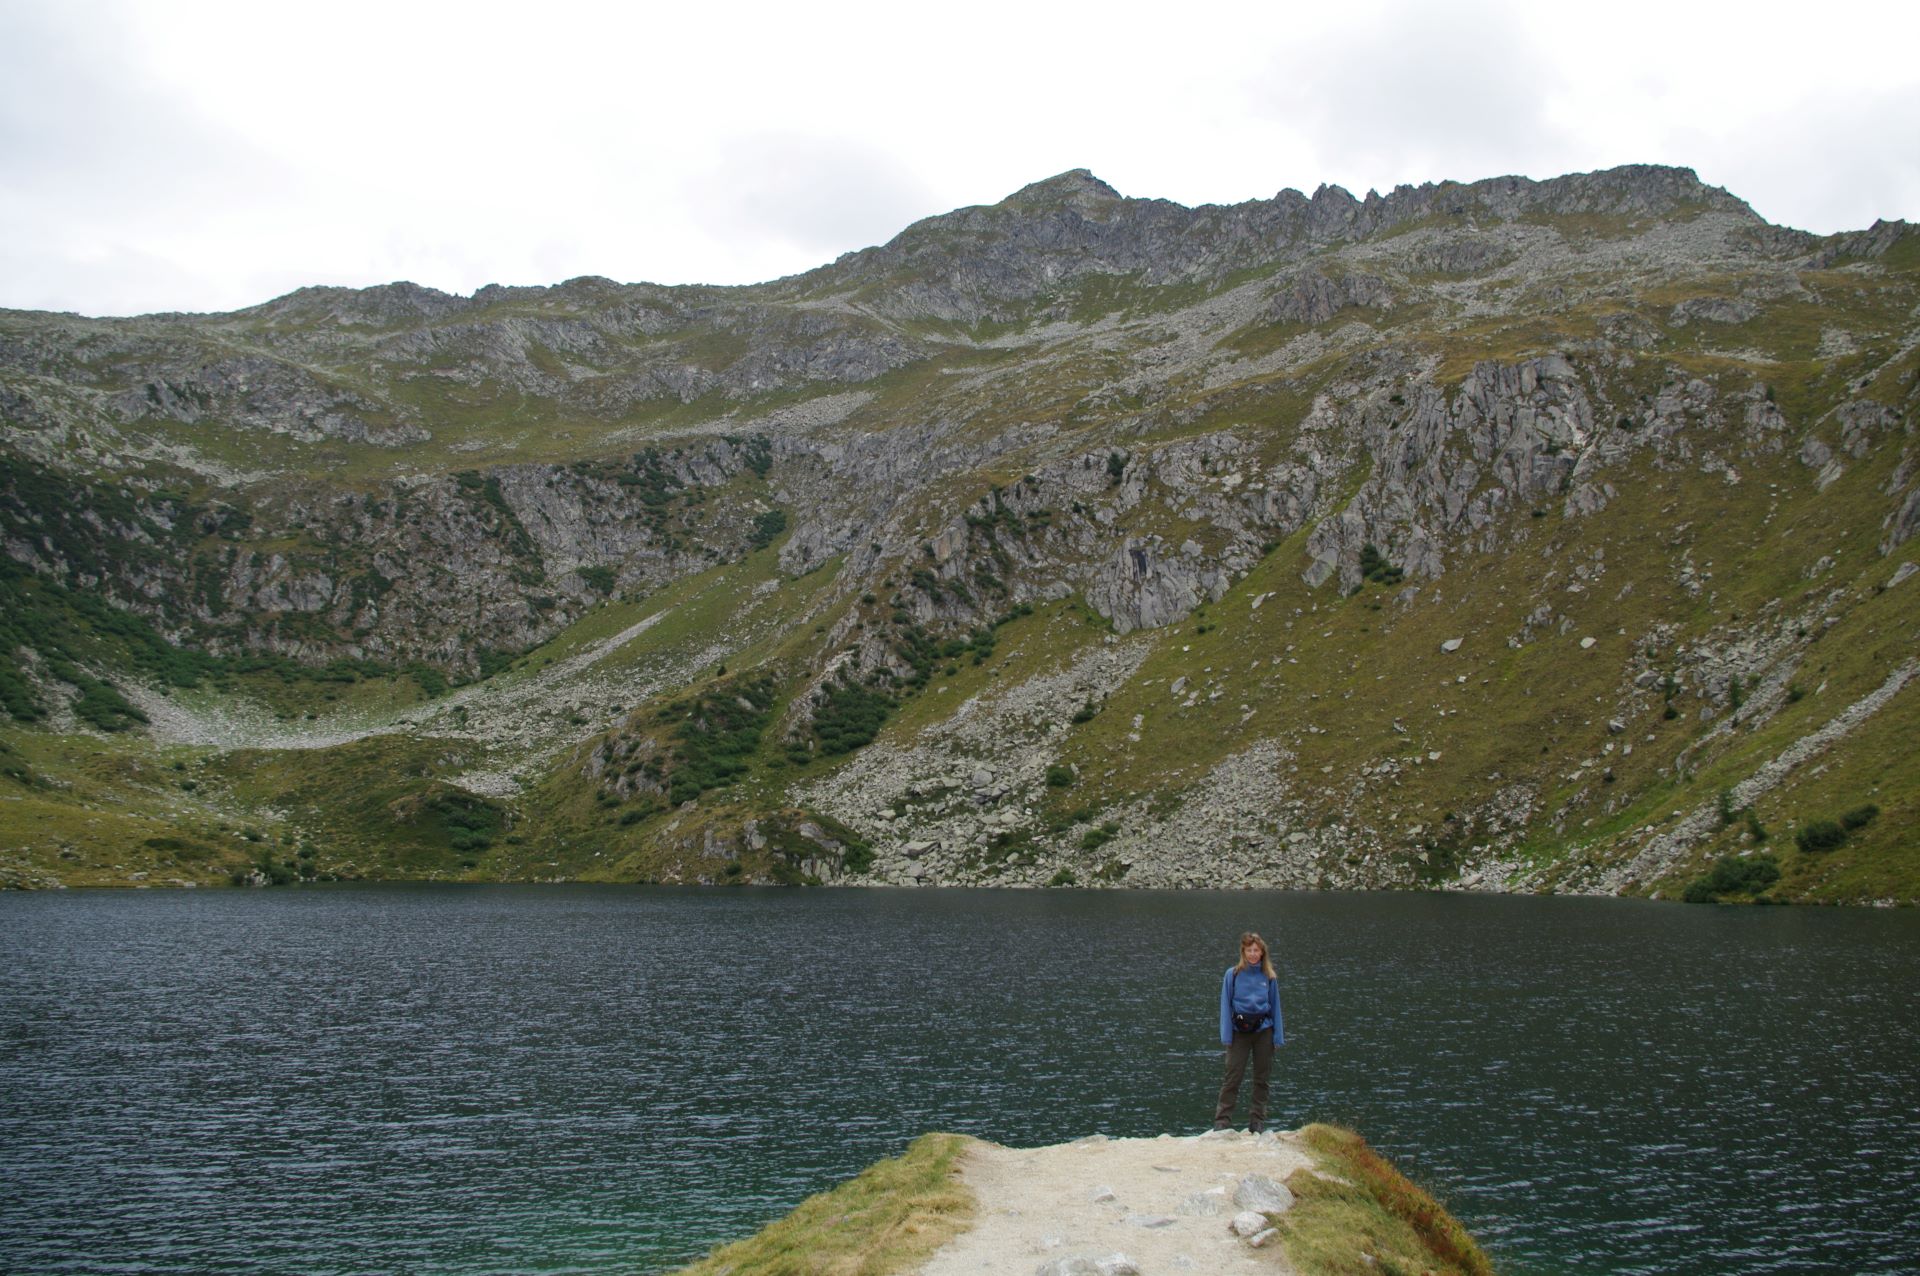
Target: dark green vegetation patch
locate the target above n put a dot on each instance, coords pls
(1735, 876)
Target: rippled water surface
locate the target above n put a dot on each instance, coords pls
(526, 1079)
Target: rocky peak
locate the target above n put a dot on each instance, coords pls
(1873, 242)
(989, 261)
(383, 304)
(1636, 189)
(1076, 188)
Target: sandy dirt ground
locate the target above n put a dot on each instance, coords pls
(1148, 1205)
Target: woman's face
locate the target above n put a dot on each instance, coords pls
(1252, 953)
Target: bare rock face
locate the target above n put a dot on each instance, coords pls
(262, 393)
(1312, 298)
(1145, 587)
(1712, 310)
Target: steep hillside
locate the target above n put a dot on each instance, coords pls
(1515, 535)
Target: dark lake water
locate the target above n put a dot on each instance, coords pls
(572, 1079)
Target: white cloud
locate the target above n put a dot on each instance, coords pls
(1856, 156)
(209, 153)
(1417, 95)
(821, 196)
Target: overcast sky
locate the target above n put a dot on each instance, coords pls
(202, 155)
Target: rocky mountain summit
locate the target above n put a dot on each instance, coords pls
(1507, 535)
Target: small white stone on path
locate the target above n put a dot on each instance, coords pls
(1205, 1204)
(1248, 1223)
(1259, 1239)
(1074, 1265)
(1149, 1220)
(1103, 1194)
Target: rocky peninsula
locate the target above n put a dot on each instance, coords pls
(1313, 1200)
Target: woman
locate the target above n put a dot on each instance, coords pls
(1249, 1025)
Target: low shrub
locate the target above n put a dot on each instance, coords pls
(1099, 837)
(599, 579)
(1061, 821)
(1734, 875)
(767, 527)
(716, 731)
(1859, 817)
(1821, 836)
(848, 716)
(1375, 567)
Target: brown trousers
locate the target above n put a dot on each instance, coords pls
(1260, 1046)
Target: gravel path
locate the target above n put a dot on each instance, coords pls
(1112, 1206)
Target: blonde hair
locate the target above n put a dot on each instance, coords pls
(1266, 954)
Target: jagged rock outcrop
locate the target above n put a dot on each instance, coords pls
(978, 263)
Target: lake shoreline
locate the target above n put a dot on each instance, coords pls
(181, 884)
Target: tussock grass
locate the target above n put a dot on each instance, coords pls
(97, 810)
(1368, 1217)
(887, 1219)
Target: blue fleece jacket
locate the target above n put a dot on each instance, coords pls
(1252, 994)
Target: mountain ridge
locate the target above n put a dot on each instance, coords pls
(1021, 455)
(1643, 188)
